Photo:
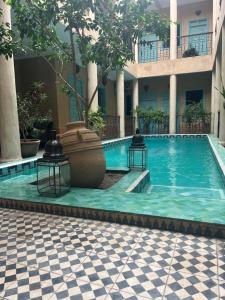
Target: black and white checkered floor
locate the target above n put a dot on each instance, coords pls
(52, 257)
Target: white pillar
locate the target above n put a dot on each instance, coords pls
(222, 100)
(217, 95)
(173, 100)
(9, 125)
(91, 85)
(120, 100)
(213, 91)
(173, 29)
(173, 55)
(215, 12)
(136, 54)
(135, 100)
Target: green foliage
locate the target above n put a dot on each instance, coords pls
(96, 121)
(106, 40)
(194, 113)
(222, 91)
(32, 107)
(152, 116)
(7, 42)
(190, 52)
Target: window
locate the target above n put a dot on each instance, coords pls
(102, 99)
(178, 35)
(166, 43)
(193, 97)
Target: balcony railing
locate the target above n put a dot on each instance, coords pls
(195, 45)
(152, 51)
(152, 127)
(112, 128)
(129, 125)
(194, 125)
(189, 45)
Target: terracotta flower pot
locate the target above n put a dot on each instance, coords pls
(29, 147)
(85, 152)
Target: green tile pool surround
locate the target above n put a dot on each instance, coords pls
(117, 199)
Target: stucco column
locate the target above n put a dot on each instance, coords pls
(136, 54)
(120, 100)
(215, 12)
(217, 95)
(173, 100)
(92, 83)
(213, 101)
(135, 100)
(222, 100)
(173, 29)
(9, 125)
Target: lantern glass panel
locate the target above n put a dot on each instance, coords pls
(137, 157)
(53, 178)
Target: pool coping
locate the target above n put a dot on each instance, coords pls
(217, 156)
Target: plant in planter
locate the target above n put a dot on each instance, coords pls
(96, 122)
(194, 114)
(154, 117)
(190, 52)
(31, 107)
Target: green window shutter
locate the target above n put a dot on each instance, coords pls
(72, 100)
(102, 99)
(165, 98)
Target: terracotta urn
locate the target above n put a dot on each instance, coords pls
(85, 152)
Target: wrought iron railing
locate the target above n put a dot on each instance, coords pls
(152, 51)
(199, 124)
(194, 125)
(112, 127)
(194, 45)
(129, 125)
(153, 127)
(188, 45)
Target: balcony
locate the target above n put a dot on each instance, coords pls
(187, 46)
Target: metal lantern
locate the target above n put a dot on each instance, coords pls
(53, 170)
(137, 152)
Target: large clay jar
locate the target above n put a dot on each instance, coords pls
(85, 152)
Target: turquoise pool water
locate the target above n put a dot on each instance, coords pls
(182, 166)
(186, 182)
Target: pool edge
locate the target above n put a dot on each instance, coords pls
(148, 221)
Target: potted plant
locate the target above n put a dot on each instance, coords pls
(96, 122)
(31, 107)
(195, 117)
(190, 52)
(156, 119)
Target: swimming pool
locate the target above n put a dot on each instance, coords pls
(186, 187)
(178, 166)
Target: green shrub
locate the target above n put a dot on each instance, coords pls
(194, 112)
(32, 108)
(96, 121)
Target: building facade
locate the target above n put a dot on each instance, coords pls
(166, 75)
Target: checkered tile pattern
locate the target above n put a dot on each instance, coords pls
(52, 257)
(188, 286)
